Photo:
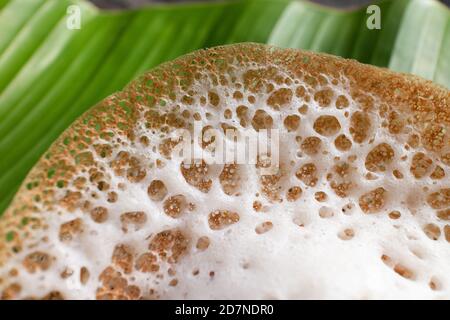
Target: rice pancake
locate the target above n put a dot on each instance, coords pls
(358, 208)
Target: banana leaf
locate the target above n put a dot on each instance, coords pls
(50, 74)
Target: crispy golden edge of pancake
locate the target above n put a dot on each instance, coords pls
(427, 102)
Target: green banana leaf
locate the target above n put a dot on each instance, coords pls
(50, 74)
